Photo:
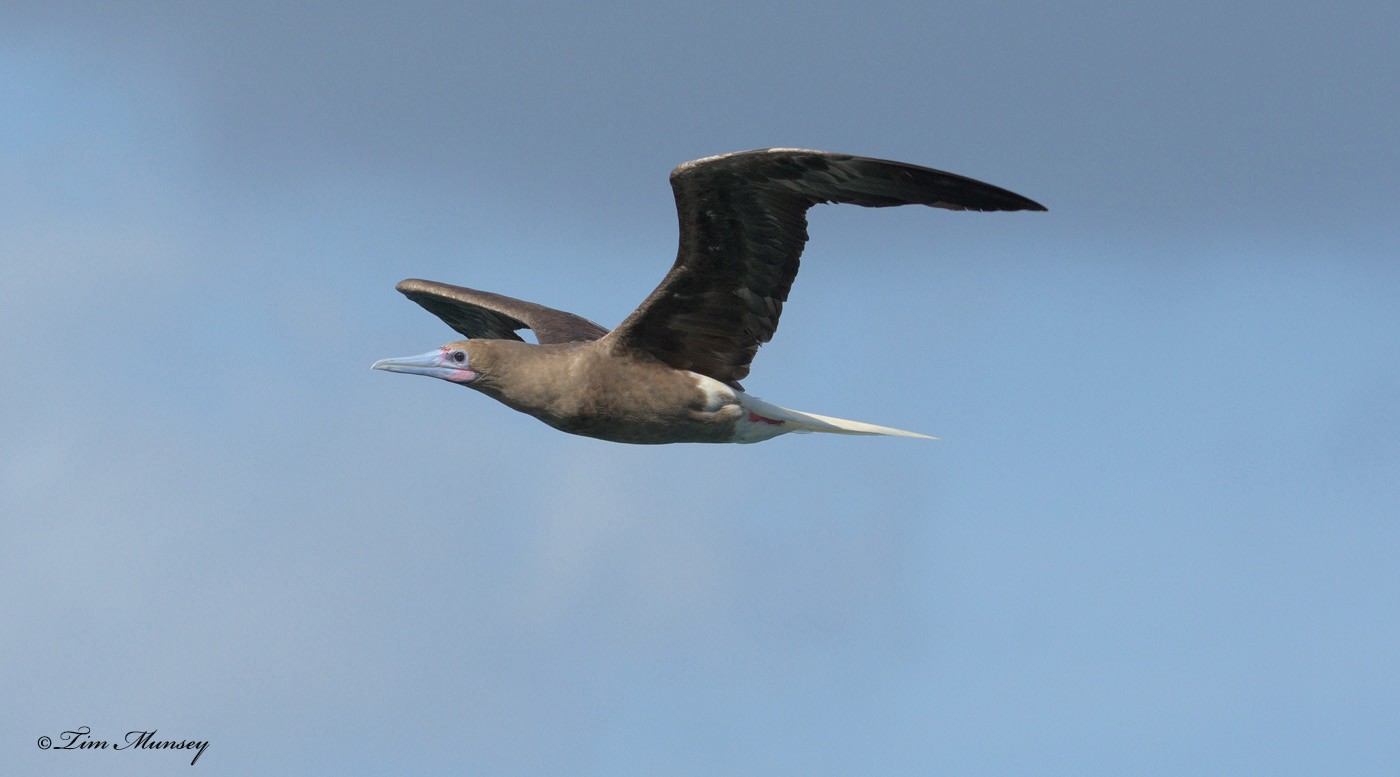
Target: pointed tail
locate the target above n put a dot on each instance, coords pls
(811, 422)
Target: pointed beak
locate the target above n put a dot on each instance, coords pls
(434, 364)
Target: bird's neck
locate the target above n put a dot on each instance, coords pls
(527, 377)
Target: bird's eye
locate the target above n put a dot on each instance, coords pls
(459, 357)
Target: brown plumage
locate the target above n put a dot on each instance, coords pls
(743, 225)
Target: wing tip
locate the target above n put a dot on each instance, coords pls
(1029, 205)
(1032, 205)
(410, 284)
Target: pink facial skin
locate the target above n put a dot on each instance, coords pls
(453, 374)
(460, 376)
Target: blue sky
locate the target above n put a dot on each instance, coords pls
(1158, 536)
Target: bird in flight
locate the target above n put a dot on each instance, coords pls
(670, 371)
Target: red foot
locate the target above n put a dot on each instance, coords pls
(758, 419)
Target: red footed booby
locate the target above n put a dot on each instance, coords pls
(670, 371)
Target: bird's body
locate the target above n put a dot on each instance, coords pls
(670, 372)
(646, 401)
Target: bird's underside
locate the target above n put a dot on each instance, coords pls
(670, 371)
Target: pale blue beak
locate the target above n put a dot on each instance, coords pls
(434, 364)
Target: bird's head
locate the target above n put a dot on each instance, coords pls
(451, 362)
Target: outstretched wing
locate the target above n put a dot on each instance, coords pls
(743, 223)
(481, 314)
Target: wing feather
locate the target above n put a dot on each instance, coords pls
(743, 224)
(483, 315)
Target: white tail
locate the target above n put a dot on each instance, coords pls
(811, 422)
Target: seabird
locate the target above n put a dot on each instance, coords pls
(670, 372)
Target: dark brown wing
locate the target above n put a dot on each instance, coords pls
(483, 315)
(743, 221)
